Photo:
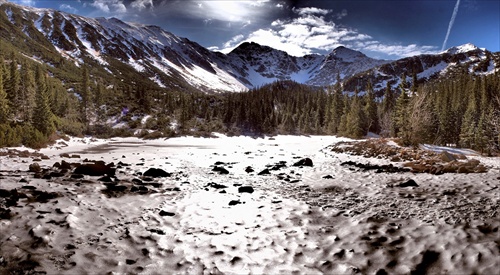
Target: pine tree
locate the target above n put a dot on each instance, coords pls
(99, 102)
(27, 91)
(4, 102)
(85, 103)
(401, 121)
(13, 87)
(43, 119)
(355, 119)
(469, 126)
(371, 109)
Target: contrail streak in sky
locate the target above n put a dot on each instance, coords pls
(455, 11)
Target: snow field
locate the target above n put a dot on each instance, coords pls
(295, 221)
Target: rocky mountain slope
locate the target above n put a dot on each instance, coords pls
(133, 52)
(453, 61)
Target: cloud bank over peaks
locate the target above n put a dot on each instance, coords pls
(312, 30)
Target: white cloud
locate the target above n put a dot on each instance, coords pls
(67, 7)
(310, 32)
(341, 14)
(400, 50)
(107, 6)
(311, 10)
(225, 10)
(233, 41)
(142, 4)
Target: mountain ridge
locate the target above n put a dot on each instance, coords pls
(168, 61)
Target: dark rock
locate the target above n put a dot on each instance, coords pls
(156, 184)
(234, 202)
(105, 179)
(279, 165)
(42, 196)
(29, 187)
(75, 156)
(219, 163)
(134, 189)
(249, 169)
(409, 183)
(156, 173)
(95, 169)
(328, 177)
(69, 247)
(428, 259)
(130, 262)
(245, 189)
(304, 162)
(77, 176)
(56, 174)
(35, 167)
(137, 181)
(215, 185)
(23, 180)
(223, 192)
(221, 170)
(116, 188)
(5, 213)
(165, 213)
(64, 155)
(65, 165)
(264, 172)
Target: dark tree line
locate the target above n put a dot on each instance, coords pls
(463, 110)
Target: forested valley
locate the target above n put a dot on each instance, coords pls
(39, 105)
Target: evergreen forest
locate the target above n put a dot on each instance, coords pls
(39, 104)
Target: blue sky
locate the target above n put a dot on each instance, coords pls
(387, 29)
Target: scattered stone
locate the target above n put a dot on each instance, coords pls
(447, 157)
(264, 172)
(95, 169)
(215, 185)
(105, 179)
(245, 189)
(234, 202)
(279, 165)
(249, 169)
(409, 183)
(165, 213)
(304, 162)
(221, 170)
(35, 167)
(156, 173)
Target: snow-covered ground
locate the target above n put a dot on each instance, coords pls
(198, 221)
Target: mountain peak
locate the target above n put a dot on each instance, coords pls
(346, 54)
(462, 48)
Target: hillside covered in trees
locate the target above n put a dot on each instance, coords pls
(37, 101)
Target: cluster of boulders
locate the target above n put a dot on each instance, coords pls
(436, 167)
(13, 153)
(415, 160)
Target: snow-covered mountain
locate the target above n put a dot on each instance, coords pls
(134, 51)
(455, 60)
(160, 55)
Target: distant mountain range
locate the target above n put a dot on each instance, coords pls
(135, 51)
